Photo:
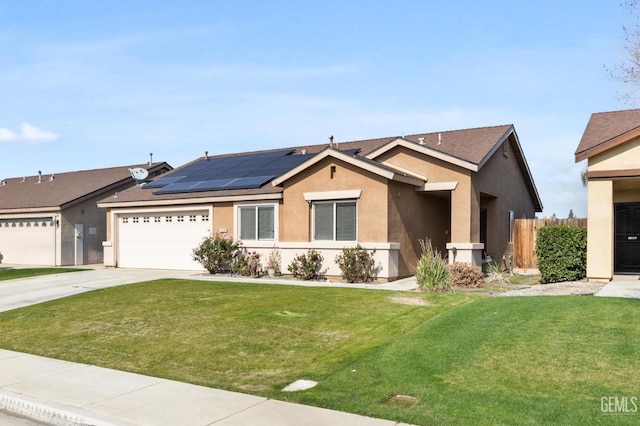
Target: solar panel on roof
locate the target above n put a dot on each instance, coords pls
(163, 181)
(243, 171)
(212, 185)
(176, 188)
(248, 182)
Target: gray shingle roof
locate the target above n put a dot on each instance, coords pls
(471, 145)
(62, 189)
(605, 130)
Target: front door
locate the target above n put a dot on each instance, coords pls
(627, 238)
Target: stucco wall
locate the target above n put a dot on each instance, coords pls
(501, 187)
(94, 224)
(295, 212)
(621, 157)
(462, 200)
(414, 216)
(223, 218)
(602, 194)
(600, 230)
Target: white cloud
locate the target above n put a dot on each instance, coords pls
(7, 135)
(33, 134)
(27, 133)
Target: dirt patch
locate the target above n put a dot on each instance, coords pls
(401, 401)
(408, 300)
(570, 288)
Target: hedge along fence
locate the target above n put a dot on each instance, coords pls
(525, 238)
(562, 253)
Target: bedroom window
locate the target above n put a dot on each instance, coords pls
(334, 220)
(256, 222)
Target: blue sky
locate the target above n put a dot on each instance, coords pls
(90, 84)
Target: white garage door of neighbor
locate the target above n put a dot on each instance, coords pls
(161, 240)
(28, 241)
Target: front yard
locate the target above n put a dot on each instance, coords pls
(412, 357)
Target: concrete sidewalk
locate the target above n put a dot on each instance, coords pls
(65, 393)
(625, 286)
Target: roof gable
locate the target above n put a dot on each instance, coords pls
(360, 162)
(606, 130)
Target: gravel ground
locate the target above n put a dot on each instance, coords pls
(569, 288)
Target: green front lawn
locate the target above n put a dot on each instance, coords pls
(13, 273)
(412, 357)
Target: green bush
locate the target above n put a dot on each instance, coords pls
(247, 264)
(432, 273)
(465, 275)
(561, 252)
(217, 253)
(357, 264)
(307, 266)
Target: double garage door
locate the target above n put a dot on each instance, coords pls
(161, 240)
(28, 241)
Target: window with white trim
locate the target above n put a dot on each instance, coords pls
(334, 220)
(256, 222)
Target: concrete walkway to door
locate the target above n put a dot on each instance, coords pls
(626, 286)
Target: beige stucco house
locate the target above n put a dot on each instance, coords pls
(53, 219)
(459, 188)
(611, 146)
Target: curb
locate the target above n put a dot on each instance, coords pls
(54, 414)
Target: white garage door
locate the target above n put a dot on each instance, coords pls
(27, 241)
(162, 240)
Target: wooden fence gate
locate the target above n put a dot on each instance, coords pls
(525, 235)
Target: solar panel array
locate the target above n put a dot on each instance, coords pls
(244, 171)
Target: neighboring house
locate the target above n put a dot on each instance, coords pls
(611, 144)
(53, 220)
(459, 188)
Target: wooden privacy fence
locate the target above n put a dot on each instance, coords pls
(525, 235)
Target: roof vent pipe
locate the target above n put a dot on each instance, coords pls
(151, 158)
(439, 138)
(51, 178)
(206, 155)
(331, 141)
(421, 141)
(39, 176)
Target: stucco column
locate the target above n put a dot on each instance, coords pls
(600, 230)
(465, 243)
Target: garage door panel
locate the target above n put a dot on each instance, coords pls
(27, 241)
(161, 241)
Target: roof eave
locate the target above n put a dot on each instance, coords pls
(182, 201)
(423, 150)
(353, 160)
(606, 145)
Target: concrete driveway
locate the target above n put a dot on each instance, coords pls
(23, 292)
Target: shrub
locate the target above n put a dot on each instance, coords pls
(465, 275)
(307, 266)
(274, 261)
(216, 253)
(561, 252)
(432, 273)
(247, 264)
(357, 264)
(495, 274)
